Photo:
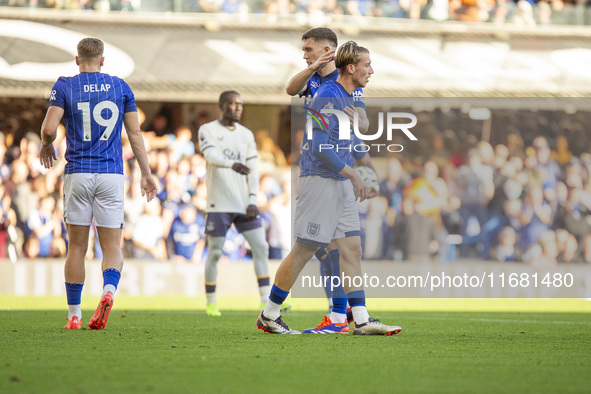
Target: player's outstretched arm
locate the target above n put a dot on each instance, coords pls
(48, 133)
(297, 84)
(361, 191)
(362, 121)
(132, 126)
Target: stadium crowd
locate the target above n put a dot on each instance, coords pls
(524, 198)
(525, 13)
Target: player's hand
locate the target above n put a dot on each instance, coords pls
(47, 155)
(351, 111)
(372, 194)
(252, 211)
(241, 168)
(361, 191)
(148, 186)
(323, 60)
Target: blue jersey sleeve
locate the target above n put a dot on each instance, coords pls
(356, 142)
(130, 98)
(327, 156)
(57, 97)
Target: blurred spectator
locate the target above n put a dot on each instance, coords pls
(506, 248)
(586, 249)
(32, 247)
(571, 215)
(392, 186)
(234, 7)
(524, 16)
(567, 247)
(414, 234)
(132, 209)
(271, 226)
(46, 227)
(562, 155)
(24, 200)
(270, 155)
(280, 208)
(359, 7)
(148, 234)
(475, 183)
(550, 171)
(536, 217)
(160, 125)
(7, 223)
(187, 235)
(4, 168)
(374, 242)
(543, 254)
(509, 217)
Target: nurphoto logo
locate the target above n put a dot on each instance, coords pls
(345, 130)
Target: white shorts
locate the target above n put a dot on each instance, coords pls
(326, 209)
(98, 196)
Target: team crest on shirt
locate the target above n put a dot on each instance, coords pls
(313, 229)
(328, 105)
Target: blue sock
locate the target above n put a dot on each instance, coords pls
(74, 293)
(277, 295)
(339, 298)
(111, 277)
(325, 270)
(356, 298)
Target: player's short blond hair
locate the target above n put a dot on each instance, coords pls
(348, 53)
(90, 48)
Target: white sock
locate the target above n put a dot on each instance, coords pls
(360, 314)
(264, 292)
(211, 297)
(272, 310)
(74, 310)
(338, 317)
(109, 288)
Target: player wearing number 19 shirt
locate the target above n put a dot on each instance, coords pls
(94, 106)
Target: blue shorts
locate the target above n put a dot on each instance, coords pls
(218, 223)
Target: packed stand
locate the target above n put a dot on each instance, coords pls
(170, 228)
(521, 13)
(524, 198)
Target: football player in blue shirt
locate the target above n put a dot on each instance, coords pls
(187, 234)
(94, 106)
(319, 45)
(327, 208)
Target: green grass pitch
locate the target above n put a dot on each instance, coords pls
(166, 345)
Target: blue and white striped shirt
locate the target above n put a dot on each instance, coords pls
(330, 95)
(94, 105)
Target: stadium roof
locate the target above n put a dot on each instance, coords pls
(192, 58)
